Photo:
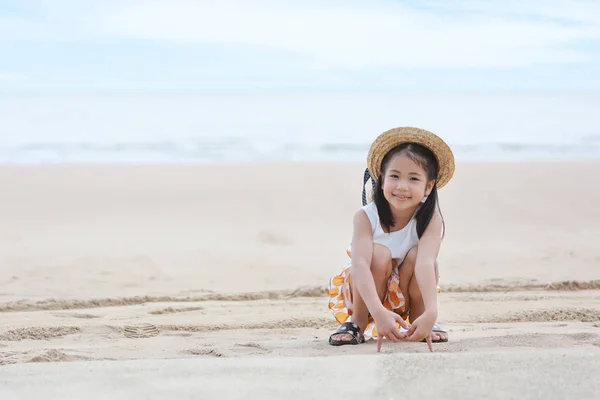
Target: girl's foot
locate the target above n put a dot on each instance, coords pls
(438, 335)
(346, 333)
(342, 337)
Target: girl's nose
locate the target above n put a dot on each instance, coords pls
(402, 185)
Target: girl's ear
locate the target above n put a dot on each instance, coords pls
(429, 187)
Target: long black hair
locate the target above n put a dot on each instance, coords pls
(423, 157)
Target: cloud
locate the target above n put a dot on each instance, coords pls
(10, 77)
(334, 35)
(566, 11)
(358, 35)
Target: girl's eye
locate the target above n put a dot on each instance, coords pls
(394, 176)
(415, 179)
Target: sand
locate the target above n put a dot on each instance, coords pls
(171, 273)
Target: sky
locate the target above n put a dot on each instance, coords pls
(291, 46)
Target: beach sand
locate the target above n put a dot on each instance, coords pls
(219, 272)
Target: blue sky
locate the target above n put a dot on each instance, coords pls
(270, 45)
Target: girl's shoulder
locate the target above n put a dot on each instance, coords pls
(370, 210)
(369, 207)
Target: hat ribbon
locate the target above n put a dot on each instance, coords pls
(366, 177)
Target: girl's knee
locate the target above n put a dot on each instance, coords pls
(410, 260)
(407, 268)
(381, 261)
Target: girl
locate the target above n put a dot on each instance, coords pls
(393, 272)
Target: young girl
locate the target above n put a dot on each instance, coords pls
(393, 272)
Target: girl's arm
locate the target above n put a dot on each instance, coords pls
(427, 254)
(362, 252)
(428, 249)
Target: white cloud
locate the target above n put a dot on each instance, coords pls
(574, 11)
(10, 77)
(350, 34)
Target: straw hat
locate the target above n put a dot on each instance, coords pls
(394, 137)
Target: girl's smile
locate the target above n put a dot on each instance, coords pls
(401, 197)
(405, 183)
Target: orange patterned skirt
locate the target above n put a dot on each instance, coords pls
(340, 297)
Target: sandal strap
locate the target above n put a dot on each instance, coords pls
(348, 327)
(352, 329)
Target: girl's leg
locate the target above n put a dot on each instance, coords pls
(381, 268)
(411, 292)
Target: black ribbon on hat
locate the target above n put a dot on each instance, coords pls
(366, 177)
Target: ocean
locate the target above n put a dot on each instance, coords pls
(299, 127)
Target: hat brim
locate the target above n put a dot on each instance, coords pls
(397, 136)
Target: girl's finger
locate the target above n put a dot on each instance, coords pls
(429, 344)
(392, 336)
(401, 321)
(416, 336)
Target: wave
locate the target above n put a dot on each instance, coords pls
(230, 149)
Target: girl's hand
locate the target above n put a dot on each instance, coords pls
(421, 328)
(385, 323)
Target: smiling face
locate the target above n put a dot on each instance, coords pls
(405, 183)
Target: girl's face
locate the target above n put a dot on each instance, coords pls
(405, 183)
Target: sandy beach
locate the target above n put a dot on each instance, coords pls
(148, 269)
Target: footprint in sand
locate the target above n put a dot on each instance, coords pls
(38, 356)
(77, 315)
(177, 334)
(140, 331)
(171, 310)
(55, 355)
(38, 333)
(9, 357)
(253, 345)
(204, 352)
(274, 239)
(250, 348)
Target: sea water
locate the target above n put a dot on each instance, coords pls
(289, 127)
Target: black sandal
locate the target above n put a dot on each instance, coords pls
(348, 328)
(436, 328)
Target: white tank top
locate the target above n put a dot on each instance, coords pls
(399, 242)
